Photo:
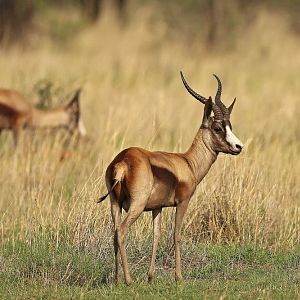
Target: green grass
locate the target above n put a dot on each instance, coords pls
(262, 287)
(40, 270)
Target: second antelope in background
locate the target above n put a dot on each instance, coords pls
(16, 113)
(139, 180)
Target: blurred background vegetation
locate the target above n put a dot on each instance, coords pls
(219, 22)
(126, 55)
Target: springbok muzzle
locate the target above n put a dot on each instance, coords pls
(233, 141)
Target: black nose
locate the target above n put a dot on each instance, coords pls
(238, 147)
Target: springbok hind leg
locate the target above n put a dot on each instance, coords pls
(156, 216)
(116, 212)
(180, 211)
(131, 217)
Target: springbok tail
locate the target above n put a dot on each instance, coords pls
(119, 172)
(104, 197)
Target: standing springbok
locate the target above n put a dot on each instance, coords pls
(16, 113)
(139, 180)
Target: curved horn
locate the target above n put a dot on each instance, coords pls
(218, 96)
(219, 90)
(216, 109)
(226, 111)
(191, 91)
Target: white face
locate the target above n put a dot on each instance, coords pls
(81, 128)
(234, 142)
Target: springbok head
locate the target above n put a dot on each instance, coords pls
(218, 127)
(75, 121)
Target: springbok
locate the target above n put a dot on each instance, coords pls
(139, 180)
(16, 113)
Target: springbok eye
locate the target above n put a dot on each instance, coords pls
(217, 129)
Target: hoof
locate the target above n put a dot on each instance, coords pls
(178, 278)
(128, 281)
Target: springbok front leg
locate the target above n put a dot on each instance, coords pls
(156, 216)
(116, 212)
(133, 214)
(180, 211)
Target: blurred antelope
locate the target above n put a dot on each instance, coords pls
(16, 113)
(139, 180)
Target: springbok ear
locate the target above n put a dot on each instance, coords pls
(207, 112)
(75, 97)
(231, 106)
(73, 105)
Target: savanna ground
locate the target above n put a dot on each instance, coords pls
(242, 231)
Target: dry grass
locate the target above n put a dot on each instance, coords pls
(133, 96)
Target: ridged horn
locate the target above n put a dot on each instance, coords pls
(219, 90)
(226, 111)
(216, 109)
(217, 112)
(218, 100)
(191, 91)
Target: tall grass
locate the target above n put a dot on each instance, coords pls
(133, 96)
